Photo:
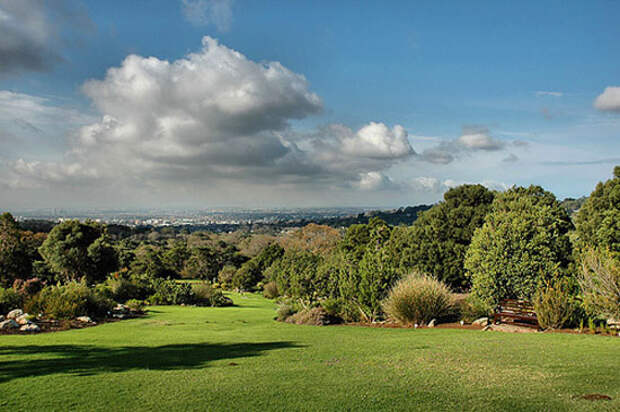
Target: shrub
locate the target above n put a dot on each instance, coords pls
(207, 295)
(270, 290)
(600, 284)
(310, 316)
(169, 292)
(135, 305)
(284, 311)
(473, 308)
(9, 300)
(69, 301)
(28, 287)
(226, 275)
(553, 304)
(418, 299)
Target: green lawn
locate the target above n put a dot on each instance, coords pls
(238, 358)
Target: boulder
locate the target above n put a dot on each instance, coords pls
(121, 308)
(481, 321)
(14, 314)
(84, 319)
(431, 324)
(30, 327)
(24, 319)
(613, 323)
(8, 324)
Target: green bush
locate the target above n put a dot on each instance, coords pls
(169, 292)
(418, 299)
(523, 243)
(135, 305)
(284, 311)
(599, 280)
(553, 304)
(207, 295)
(225, 276)
(473, 308)
(9, 300)
(270, 290)
(69, 301)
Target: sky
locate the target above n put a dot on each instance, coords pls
(216, 103)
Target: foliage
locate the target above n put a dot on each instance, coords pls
(554, 304)
(135, 305)
(417, 299)
(284, 311)
(201, 264)
(14, 260)
(28, 287)
(316, 316)
(473, 308)
(437, 241)
(73, 250)
(523, 242)
(69, 301)
(9, 299)
(313, 238)
(169, 292)
(270, 290)
(226, 274)
(120, 288)
(207, 295)
(599, 280)
(252, 271)
(598, 221)
(295, 274)
(149, 263)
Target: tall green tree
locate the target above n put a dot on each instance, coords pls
(523, 243)
(598, 220)
(74, 250)
(14, 260)
(438, 239)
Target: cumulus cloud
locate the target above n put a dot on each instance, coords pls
(31, 32)
(206, 12)
(210, 117)
(472, 139)
(609, 100)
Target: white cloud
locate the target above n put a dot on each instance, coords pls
(473, 139)
(609, 100)
(206, 12)
(211, 118)
(479, 140)
(376, 140)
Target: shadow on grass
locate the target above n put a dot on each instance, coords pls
(86, 360)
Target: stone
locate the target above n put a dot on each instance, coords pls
(85, 319)
(462, 322)
(415, 326)
(30, 327)
(481, 321)
(431, 324)
(613, 323)
(121, 308)
(487, 327)
(24, 319)
(8, 324)
(14, 314)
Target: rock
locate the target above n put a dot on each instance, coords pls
(431, 324)
(613, 323)
(14, 314)
(481, 321)
(119, 315)
(30, 327)
(416, 326)
(24, 319)
(487, 327)
(462, 322)
(8, 324)
(85, 319)
(121, 308)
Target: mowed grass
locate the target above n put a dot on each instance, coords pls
(239, 358)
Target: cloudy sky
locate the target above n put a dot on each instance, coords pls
(203, 103)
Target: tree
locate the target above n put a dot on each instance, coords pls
(73, 250)
(149, 263)
(14, 260)
(252, 271)
(522, 244)
(202, 264)
(438, 239)
(598, 220)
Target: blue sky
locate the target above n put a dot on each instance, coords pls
(368, 104)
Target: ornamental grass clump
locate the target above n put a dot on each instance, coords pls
(417, 299)
(553, 304)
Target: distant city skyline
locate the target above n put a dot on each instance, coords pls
(196, 104)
